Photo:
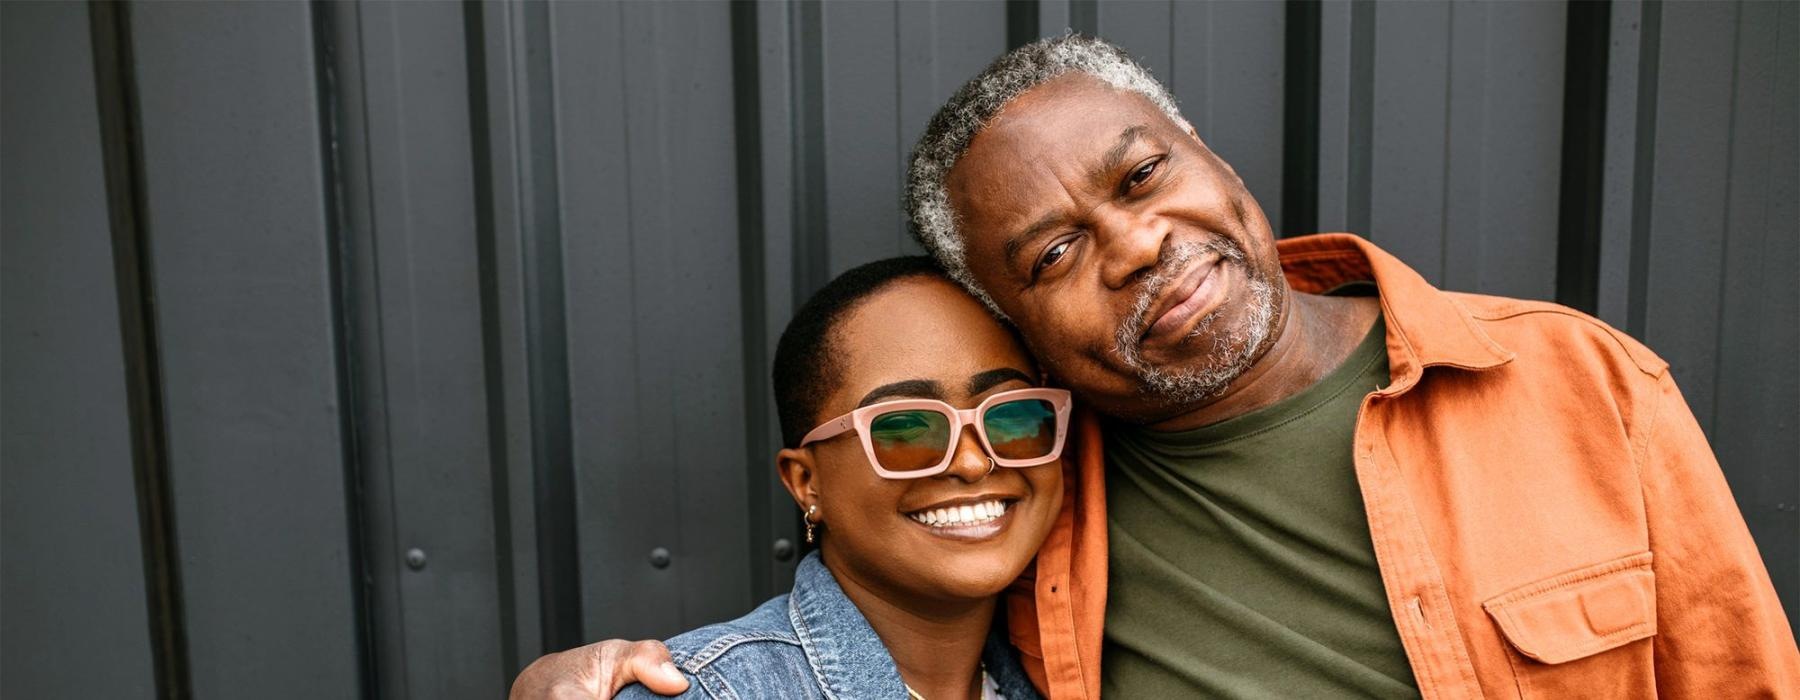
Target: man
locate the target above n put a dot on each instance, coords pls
(1319, 476)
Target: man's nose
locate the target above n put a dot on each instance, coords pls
(1129, 243)
(970, 463)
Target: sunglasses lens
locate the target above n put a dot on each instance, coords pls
(910, 440)
(1023, 429)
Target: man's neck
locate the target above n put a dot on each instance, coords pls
(937, 646)
(1317, 334)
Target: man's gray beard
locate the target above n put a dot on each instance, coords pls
(1232, 350)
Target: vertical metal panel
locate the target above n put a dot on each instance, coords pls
(776, 149)
(860, 53)
(422, 419)
(1144, 28)
(1691, 184)
(940, 47)
(1757, 395)
(1346, 95)
(1226, 73)
(649, 208)
(73, 570)
(1630, 130)
(1506, 95)
(503, 183)
(762, 67)
(240, 247)
(887, 68)
(1408, 139)
(1441, 123)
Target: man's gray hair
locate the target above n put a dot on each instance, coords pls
(974, 105)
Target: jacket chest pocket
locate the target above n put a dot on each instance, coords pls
(1584, 633)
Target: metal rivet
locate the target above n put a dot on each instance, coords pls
(415, 559)
(659, 558)
(784, 549)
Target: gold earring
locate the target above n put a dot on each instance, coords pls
(809, 522)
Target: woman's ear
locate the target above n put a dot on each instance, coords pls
(798, 474)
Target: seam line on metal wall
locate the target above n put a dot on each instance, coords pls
(1644, 166)
(122, 159)
(493, 379)
(337, 258)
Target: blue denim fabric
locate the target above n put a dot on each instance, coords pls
(810, 643)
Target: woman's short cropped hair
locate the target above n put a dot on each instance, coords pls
(806, 361)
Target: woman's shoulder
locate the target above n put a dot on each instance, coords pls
(765, 630)
(757, 655)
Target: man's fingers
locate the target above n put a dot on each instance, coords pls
(650, 664)
(597, 672)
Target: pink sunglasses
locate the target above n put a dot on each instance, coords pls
(916, 438)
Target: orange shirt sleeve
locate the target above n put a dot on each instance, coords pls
(1720, 628)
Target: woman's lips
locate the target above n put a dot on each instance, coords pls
(1198, 293)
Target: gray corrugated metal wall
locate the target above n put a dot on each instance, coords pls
(291, 290)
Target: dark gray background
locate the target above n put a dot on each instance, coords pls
(291, 289)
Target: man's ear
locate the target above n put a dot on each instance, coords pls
(798, 474)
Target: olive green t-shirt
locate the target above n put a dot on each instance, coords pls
(1240, 562)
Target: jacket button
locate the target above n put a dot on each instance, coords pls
(659, 558)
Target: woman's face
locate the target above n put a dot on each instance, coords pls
(924, 338)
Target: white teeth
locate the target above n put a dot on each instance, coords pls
(961, 515)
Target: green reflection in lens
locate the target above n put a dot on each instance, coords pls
(910, 440)
(1022, 429)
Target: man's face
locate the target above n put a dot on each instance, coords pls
(1134, 262)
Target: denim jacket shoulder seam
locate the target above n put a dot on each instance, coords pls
(713, 651)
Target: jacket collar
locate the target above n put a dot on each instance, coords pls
(1425, 326)
(847, 658)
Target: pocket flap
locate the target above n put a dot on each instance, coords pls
(1580, 613)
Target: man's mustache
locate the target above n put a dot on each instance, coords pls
(1173, 262)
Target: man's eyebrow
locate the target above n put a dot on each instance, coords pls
(1115, 156)
(1019, 240)
(995, 377)
(911, 388)
(1109, 162)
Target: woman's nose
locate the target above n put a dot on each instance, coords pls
(970, 462)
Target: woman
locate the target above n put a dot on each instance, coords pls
(926, 462)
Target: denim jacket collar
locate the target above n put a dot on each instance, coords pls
(849, 661)
(848, 658)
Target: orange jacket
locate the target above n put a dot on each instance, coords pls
(1547, 516)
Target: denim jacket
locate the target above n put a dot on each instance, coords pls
(811, 643)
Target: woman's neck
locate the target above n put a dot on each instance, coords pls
(936, 644)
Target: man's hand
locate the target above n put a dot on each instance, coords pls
(596, 671)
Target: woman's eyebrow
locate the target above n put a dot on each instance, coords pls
(995, 377)
(911, 388)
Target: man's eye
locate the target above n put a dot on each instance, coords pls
(1052, 255)
(1142, 174)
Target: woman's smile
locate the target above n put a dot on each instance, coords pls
(974, 519)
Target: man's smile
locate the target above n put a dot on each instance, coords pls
(1201, 288)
